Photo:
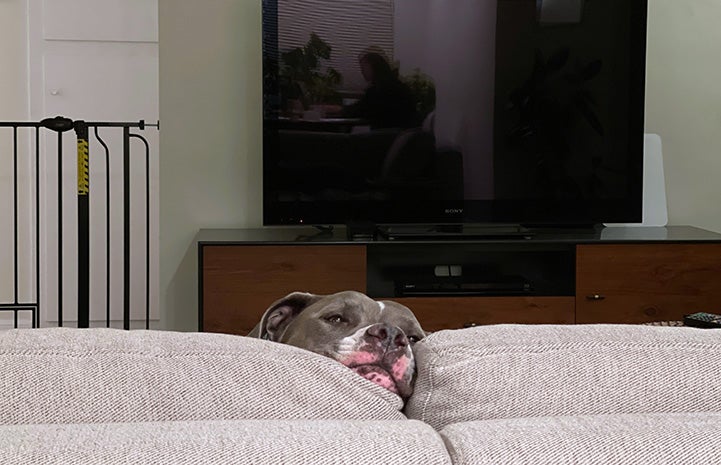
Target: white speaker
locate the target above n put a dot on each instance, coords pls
(655, 212)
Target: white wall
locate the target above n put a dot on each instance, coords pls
(210, 110)
(13, 53)
(683, 105)
(210, 138)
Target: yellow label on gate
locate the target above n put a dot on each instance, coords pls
(83, 168)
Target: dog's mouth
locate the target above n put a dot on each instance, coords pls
(390, 369)
(377, 375)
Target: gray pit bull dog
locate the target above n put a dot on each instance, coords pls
(372, 338)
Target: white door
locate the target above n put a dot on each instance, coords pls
(95, 60)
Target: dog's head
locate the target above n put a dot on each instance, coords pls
(372, 338)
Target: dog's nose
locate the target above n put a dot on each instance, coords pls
(401, 340)
(379, 331)
(387, 334)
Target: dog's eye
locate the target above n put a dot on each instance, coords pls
(335, 319)
(414, 339)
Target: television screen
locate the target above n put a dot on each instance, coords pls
(453, 111)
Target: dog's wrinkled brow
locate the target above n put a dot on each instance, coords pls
(343, 308)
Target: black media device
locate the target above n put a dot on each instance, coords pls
(702, 320)
(496, 285)
(453, 112)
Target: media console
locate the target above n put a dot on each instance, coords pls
(610, 275)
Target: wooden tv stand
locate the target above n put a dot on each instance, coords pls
(614, 275)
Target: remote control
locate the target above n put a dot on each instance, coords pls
(702, 320)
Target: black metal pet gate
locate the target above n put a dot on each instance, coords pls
(82, 129)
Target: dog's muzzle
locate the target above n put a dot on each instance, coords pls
(380, 353)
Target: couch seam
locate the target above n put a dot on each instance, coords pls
(456, 455)
(574, 345)
(431, 382)
(147, 353)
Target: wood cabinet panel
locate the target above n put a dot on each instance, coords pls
(240, 282)
(638, 280)
(436, 313)
(635, 283)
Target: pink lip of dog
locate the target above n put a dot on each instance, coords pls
(377, 375)
(370, 367)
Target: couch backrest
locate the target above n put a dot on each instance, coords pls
(103, 375)
(513, 371)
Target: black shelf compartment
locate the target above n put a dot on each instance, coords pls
(470, 269)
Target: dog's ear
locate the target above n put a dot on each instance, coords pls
(281, 313)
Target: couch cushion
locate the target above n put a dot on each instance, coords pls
(103, 375)
(509, 371)
(225, 442)
(689, 439)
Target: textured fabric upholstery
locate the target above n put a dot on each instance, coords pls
(506, 394)
(679, 439)
(225, 442)
(103, 375)
(511, 371)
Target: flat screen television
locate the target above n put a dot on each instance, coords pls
(526, 112)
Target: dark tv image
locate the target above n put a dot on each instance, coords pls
(526, 112)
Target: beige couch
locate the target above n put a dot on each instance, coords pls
(508, 394)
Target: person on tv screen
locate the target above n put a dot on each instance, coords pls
(387, 102)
